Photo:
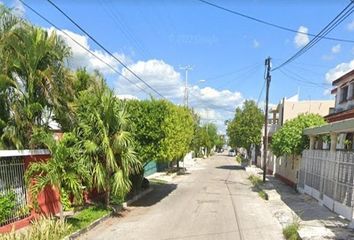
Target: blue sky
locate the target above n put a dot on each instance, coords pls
(156, 37)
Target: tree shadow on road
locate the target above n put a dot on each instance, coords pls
(159, 192)
(231, 167)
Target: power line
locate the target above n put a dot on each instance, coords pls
(327, 29)
(118, 21)
(272, 24)
(305, 80)
(301, 80)
(261, 93)
(240, 70)
(105, 49)
(83, 47)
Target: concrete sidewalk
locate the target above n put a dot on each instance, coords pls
(316, 221)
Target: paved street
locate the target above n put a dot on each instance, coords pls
(214, 201)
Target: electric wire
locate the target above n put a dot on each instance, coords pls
(292, 77)
(272, 24)
(82, 46)
(104, 48)
(118, 21)
(347, 11)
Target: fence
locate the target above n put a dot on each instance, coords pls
(329, 177)
(13, 196)
(13, 191)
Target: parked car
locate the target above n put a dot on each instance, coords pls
(232, 153)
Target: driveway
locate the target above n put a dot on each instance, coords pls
(214, 201)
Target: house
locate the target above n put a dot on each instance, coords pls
(327, 167)
(286, 168)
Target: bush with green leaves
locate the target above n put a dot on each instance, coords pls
(7, 205)
(290, 232)
(162, 131)
(245, 129)
(289, 139)
(41, 229)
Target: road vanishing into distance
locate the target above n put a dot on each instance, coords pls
(214, 201)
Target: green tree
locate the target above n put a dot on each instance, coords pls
(162, 131)
(106, 143)
(245, 129)
(205, 136)
(66, 171)
(289, 140)
(33, 65)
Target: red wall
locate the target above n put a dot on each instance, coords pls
(48, 200)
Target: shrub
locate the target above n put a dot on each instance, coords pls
(41, 229)
(255, 180)
(290, 231)
(263, 194)
(7, 205)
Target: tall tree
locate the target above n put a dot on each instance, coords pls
(245, 128)
(107, 145)
(35, 64)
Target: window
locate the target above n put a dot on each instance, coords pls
(343, 94)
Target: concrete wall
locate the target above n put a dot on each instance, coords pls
(285, 168)
(293, 109)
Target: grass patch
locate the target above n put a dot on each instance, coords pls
(257, 183)
(240, 159)
(263, 194)
(290, 232)
(157, 181)
(255, 180)
(85, 217)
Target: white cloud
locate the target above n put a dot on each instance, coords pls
(350, 26)
(339, 71)
(256, 44)
(301, 38)
(158, 74)
(219, 104)
(336, 49)
(81, 58)
(127, 97)
(18, 9)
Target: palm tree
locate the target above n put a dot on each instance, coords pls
(8, 23)
(106, 143)
(33, 60)
(65, 170)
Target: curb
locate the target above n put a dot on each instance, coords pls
(80, 232)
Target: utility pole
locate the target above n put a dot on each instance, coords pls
(186, 69)
(268, 78)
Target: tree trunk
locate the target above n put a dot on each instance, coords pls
(107, 195)
(61, 209)
(61, 212)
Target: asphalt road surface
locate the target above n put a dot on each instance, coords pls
(214, 201)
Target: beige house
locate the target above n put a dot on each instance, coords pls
(287, 168)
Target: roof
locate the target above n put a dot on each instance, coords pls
(348, 74)
(341, 126)
(339, 116)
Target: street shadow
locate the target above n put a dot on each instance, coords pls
(231, 167)
(159, 192)
(308, 208)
